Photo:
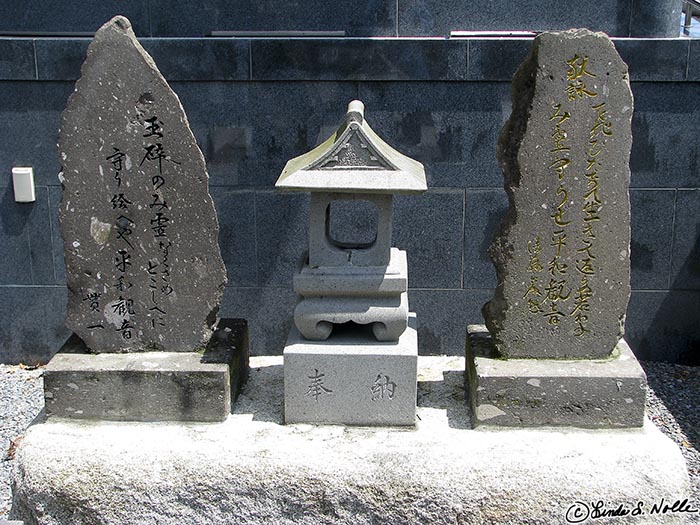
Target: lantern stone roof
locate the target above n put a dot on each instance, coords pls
(353, 160)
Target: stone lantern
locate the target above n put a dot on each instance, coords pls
(365, 281)
(352, 375)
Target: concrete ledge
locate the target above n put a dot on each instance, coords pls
(253, 469)
(149, 386)
(587, 393)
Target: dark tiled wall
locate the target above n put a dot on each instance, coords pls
(184, 18)
(253, 104)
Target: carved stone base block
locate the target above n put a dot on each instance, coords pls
(351, 379)
(366, 295)
(149, 386)
(586, 393)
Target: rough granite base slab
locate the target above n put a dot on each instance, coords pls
(351, 378)
(149, 386)
(587, 393)
(254, 469)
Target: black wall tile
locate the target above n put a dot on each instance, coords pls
(654, 60)
(663, 326)
(25, 238)
(685, 274)
(451, 128)
(185, 18)
(237, 232)
(429, 227)
(497, 58)
(282, 222)
(269, 312)
(17, 59)
(484, 212)
(443, 316)
(336, 59)
(30, 114)
(652, 233)
(248, 130)
(33, 328)
(439, 17)
(36, 16)
(663, 126)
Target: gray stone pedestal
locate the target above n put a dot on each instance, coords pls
(351, 378)
(150, 386)
(586, 393)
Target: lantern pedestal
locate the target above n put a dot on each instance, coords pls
(351, 379)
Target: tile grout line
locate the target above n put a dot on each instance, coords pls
(673, 239)
(397, 19)
(31, 263)
(36, 62)
(255, 237)
(250, 60)
(51, 230)
(469, 46)
(150, 18)
(464, 233)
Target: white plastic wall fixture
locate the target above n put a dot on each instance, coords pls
(23, 183)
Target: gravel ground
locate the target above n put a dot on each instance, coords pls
(673, 404)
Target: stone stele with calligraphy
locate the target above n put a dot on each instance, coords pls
(140, 234)
(562, 254)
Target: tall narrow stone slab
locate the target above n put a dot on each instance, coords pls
(562, 254)
(140, 233)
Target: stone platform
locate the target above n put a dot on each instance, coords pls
(149, 386)
(587, 393)
(253, 469)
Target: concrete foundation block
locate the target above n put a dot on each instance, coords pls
(586, 393)
(149, 386)
(351, 378)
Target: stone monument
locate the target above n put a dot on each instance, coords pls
(355, 376)
(144, 271)
(553, 352)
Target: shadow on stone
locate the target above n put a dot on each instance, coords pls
(150, 386)
(447, 394)
(263, 395)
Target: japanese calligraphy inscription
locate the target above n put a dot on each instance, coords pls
(140, 232)
(562, 254)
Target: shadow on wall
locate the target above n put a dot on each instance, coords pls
(674, 316)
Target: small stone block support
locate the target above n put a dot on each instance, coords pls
(586, 393)
(351, 379)
(150, 386)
